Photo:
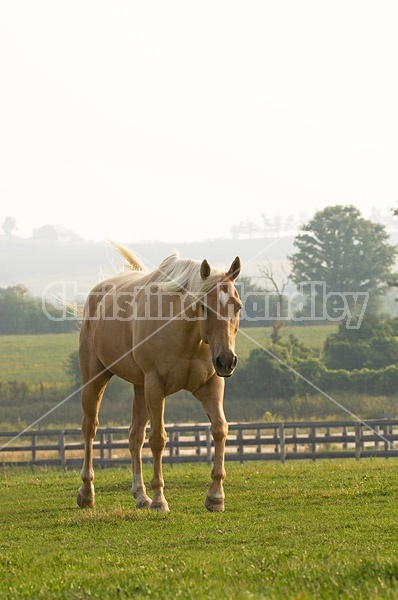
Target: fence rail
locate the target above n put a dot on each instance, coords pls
(193, 443)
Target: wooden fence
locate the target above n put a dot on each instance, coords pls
(194, 443)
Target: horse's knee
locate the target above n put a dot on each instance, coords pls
(219, 430)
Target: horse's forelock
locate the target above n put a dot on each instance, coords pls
(183, 274)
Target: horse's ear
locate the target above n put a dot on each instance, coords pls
(234, 269)
(205, 269)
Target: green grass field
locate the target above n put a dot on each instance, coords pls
(299, 530)
(41, 358)
(313, 335)
(36, 358)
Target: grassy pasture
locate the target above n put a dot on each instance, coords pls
(36, 358)
(312, 335)
(41, 358)
(299, 530)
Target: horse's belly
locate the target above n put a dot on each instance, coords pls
(126, 368)
(116, 354)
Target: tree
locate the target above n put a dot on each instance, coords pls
(244, 229)
(15, 306)
(264, 306)
(72, 369)
(9, 225)
(344, 252)
(276, 290)
(262, 375)
(374, 345)
(254, 302)
(20, 313)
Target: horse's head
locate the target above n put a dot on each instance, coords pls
(220, 308)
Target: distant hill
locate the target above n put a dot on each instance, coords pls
(42, 259)
(38, 261)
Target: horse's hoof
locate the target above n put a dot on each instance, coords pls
(143, 503)
(160, 506)
(214, 504)
(84, 501)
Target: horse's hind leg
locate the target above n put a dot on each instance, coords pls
(136, 441)
(92, 393)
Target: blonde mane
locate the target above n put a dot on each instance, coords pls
(176, 274)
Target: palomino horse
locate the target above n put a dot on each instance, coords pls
(163, 331)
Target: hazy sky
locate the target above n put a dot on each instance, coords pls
(174, 120)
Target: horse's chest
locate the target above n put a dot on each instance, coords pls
(188, 375)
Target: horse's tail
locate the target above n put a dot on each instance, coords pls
(132, 261)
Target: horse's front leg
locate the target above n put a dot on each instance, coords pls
(154, 396)
(211, 396)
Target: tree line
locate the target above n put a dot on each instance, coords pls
(21, 313)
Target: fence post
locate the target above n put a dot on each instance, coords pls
(385, 434)
(177, 442)
(377, 442)
(61, 449)
(391, 442)
(358, 436)
(173, 444)
(313, 443)
(208, 446)
(102, 448)
(345, 433)
(239, 438)
(258, 440)
(109, 442)
(197, 441)
(282, 442)
(34, 441)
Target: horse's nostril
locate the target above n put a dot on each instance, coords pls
(219, 364)
(226, 366)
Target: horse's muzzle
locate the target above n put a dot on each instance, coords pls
(225, 367)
